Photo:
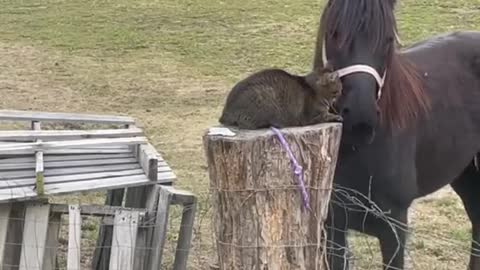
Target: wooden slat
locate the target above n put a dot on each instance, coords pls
(74, 237)
(50, 258)
(116, 146)
(4, 184)
(189, 202)
(149, 161)
(73, 157)
(161, 163)
(70, 151)
(47, 158)
(92, 176)
(101, 256)
(15, 194)
(69, 171)
(39, 174)
(124, 240)
(145, 236)
(95, 210)
(26, 178)
(67, 164)
(17, 115)
(21, 193)
(163, 166)
(101, 184)
(134, 198)
(39, 184)
(4, 218)
(52, 135)
(160, 229)
(34, 236)
(166, 177)
(103, 147)
(20, 147)
(137, 197)
(164, 169)
(181, 197)
(13, 245)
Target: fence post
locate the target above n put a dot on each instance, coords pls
(259, 218)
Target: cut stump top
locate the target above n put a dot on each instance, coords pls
(234, 134)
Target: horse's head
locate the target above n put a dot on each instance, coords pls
(357, 37)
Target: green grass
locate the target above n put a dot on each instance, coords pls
(214, 38)
(170, 63)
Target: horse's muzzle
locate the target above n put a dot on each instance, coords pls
(361, 134)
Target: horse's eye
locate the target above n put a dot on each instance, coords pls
(389, 44)
(336, 38)
(334, 35)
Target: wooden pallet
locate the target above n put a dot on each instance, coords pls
(119, 159)
(49, 162)
(139, 234)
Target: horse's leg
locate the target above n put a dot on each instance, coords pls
(337, 244)
(467, 186)
(337, 247)
(392, 243)
(392, 237)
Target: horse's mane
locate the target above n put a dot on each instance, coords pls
(403, 98)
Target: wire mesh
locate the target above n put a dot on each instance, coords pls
(439, 235)
(364, 252)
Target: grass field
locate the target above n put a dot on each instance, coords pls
(170, 63)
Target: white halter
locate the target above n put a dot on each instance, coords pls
(355, 69)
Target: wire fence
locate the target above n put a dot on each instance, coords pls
(365, 253)
(430, 243)
(445, 243)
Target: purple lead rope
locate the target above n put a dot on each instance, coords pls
(297, 169)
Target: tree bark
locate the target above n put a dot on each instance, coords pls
(259, 219)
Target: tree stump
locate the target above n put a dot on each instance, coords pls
(259, 219)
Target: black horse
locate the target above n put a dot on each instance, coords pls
(411, 124)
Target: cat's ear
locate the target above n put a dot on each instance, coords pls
(312, 79)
